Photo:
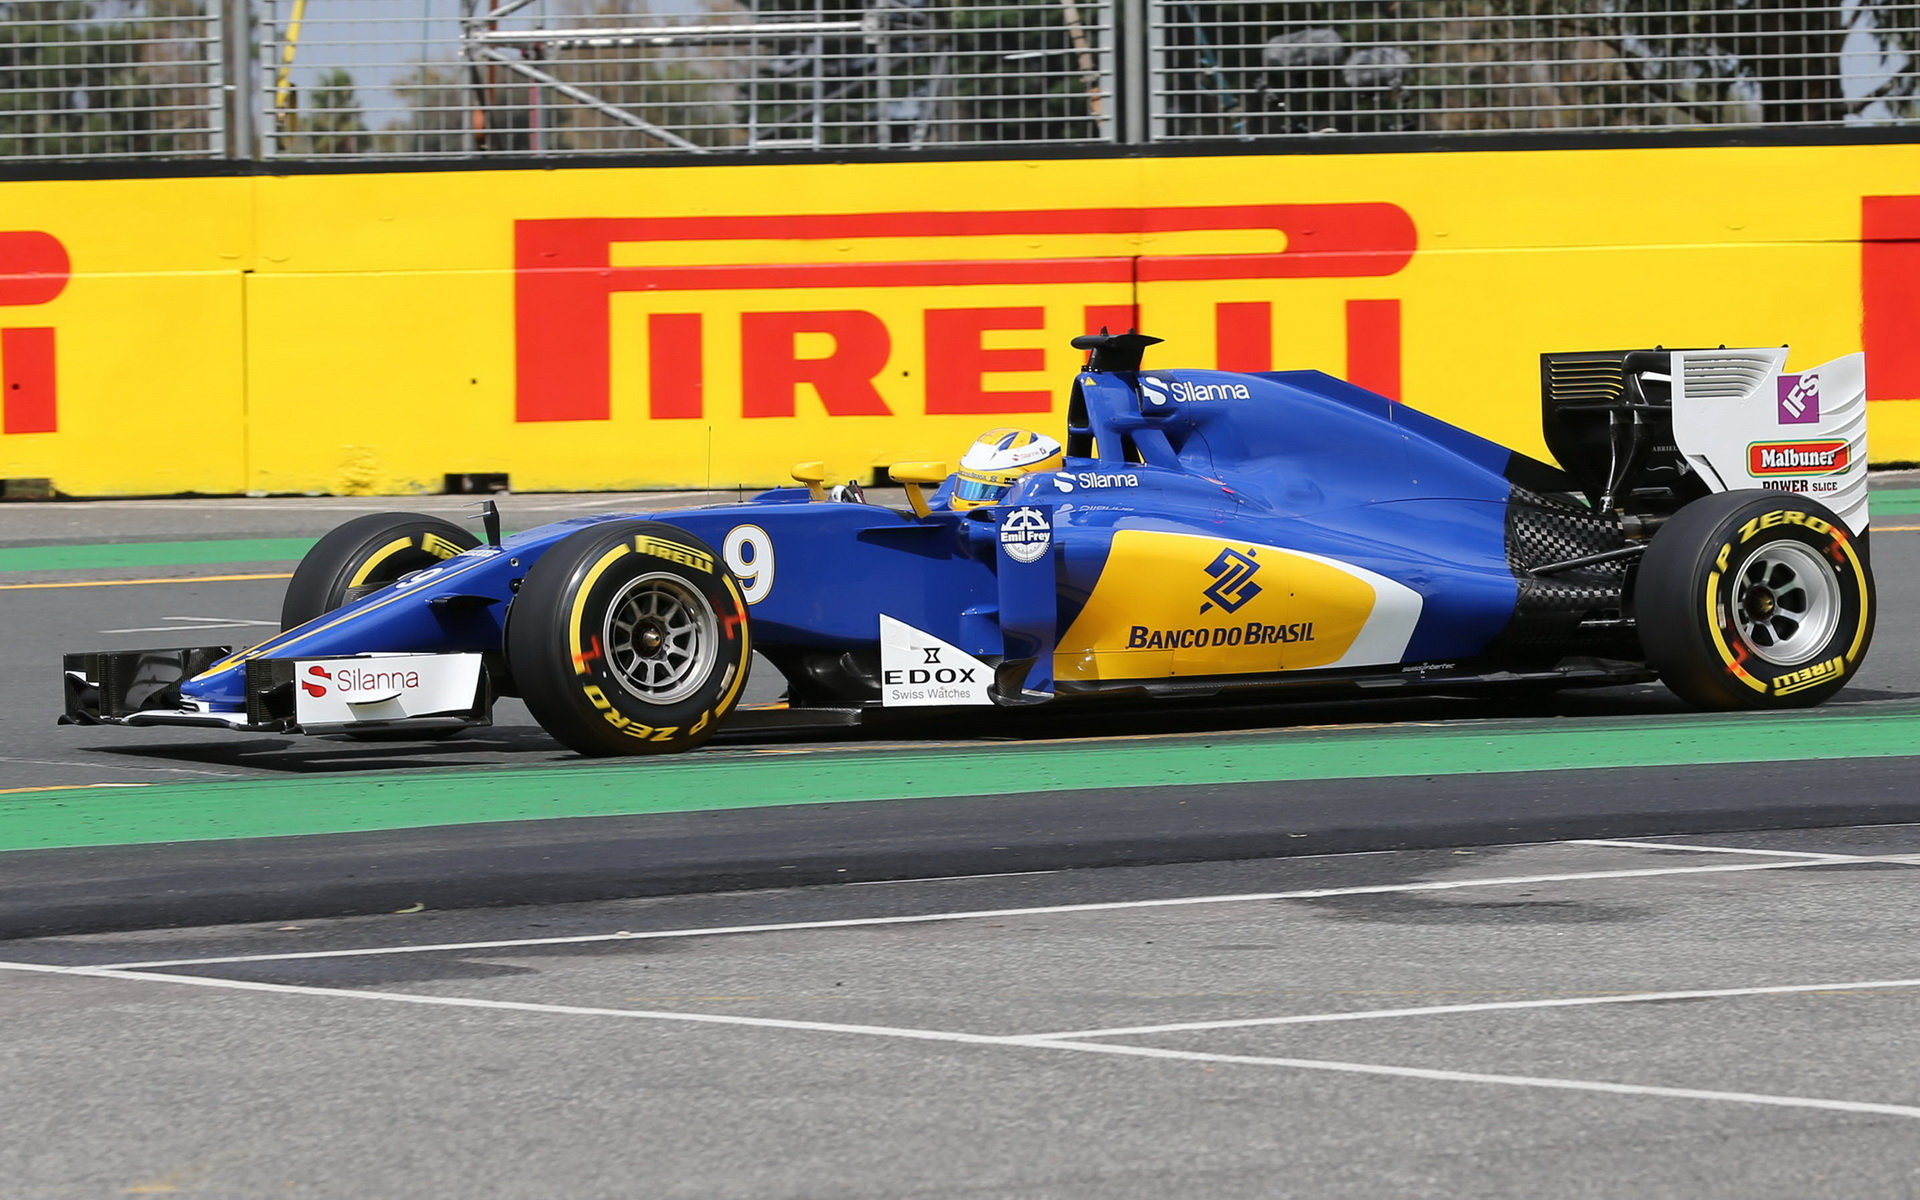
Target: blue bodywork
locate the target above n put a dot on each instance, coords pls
(1297, 460)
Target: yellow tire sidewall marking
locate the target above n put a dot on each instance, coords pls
(1719, 638)
(1771, 520)
(438, 546)
(725, 704)
(379, 556)
(1860, 578)
(580, 594)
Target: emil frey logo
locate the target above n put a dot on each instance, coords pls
(1233, 583)
(1799, 399)
(1025, 535)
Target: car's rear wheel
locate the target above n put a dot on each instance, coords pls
(629, 638)
(364, 555)
(1754, 599)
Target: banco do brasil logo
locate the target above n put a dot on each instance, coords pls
(1233, 583)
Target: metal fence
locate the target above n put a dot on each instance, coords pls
(111, 79)
(295, 79)
(580, 77)
(1471, 66)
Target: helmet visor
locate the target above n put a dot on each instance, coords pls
(979, 491)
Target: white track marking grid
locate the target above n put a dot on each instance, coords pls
(1097, 1041)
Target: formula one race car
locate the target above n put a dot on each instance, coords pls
(1199, 533)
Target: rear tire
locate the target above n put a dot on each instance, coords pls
(364, 555)
(629, 637)
(1754, 599)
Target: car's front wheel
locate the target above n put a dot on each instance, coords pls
(629, 638)
(364, 555)
(1754, 599)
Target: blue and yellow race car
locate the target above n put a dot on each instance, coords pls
(1193, 533)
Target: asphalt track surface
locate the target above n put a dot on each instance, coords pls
(1596, 946)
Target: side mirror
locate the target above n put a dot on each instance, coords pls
(814, 475)
(916, 476)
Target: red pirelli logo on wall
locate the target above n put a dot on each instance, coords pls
(566, 277)
(1890, 295)
(33, 270)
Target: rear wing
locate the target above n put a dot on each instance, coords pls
(1646, 431)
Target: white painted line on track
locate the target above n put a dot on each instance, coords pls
(248, 985)
(979, 914)
(947, 878)
(1017, 1042)
(1434, 1010)
(1531, 1081)
(188, 623)
(1701, 849)
(43, 762)
(1829, 855)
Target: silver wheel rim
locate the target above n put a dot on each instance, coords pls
(660, 635)
(1786, 603)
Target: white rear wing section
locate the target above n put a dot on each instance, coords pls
(1743, 421)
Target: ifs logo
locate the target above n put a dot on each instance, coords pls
(1233, 583)
(1799, 399)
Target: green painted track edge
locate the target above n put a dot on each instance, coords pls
(1894, 502)
(105, 556)
(720, 779)
(153, 554)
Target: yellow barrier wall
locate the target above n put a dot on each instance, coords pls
(596, 328)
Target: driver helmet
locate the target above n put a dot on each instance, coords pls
(997, 460)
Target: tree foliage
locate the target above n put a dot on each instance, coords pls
(325, 120)
(437, 120)
(93, 78)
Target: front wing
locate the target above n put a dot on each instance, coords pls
(283, 695)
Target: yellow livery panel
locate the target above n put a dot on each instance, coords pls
(1174, 604)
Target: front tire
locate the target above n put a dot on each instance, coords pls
(365, 555)
(629, 638)
(1754, 599)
